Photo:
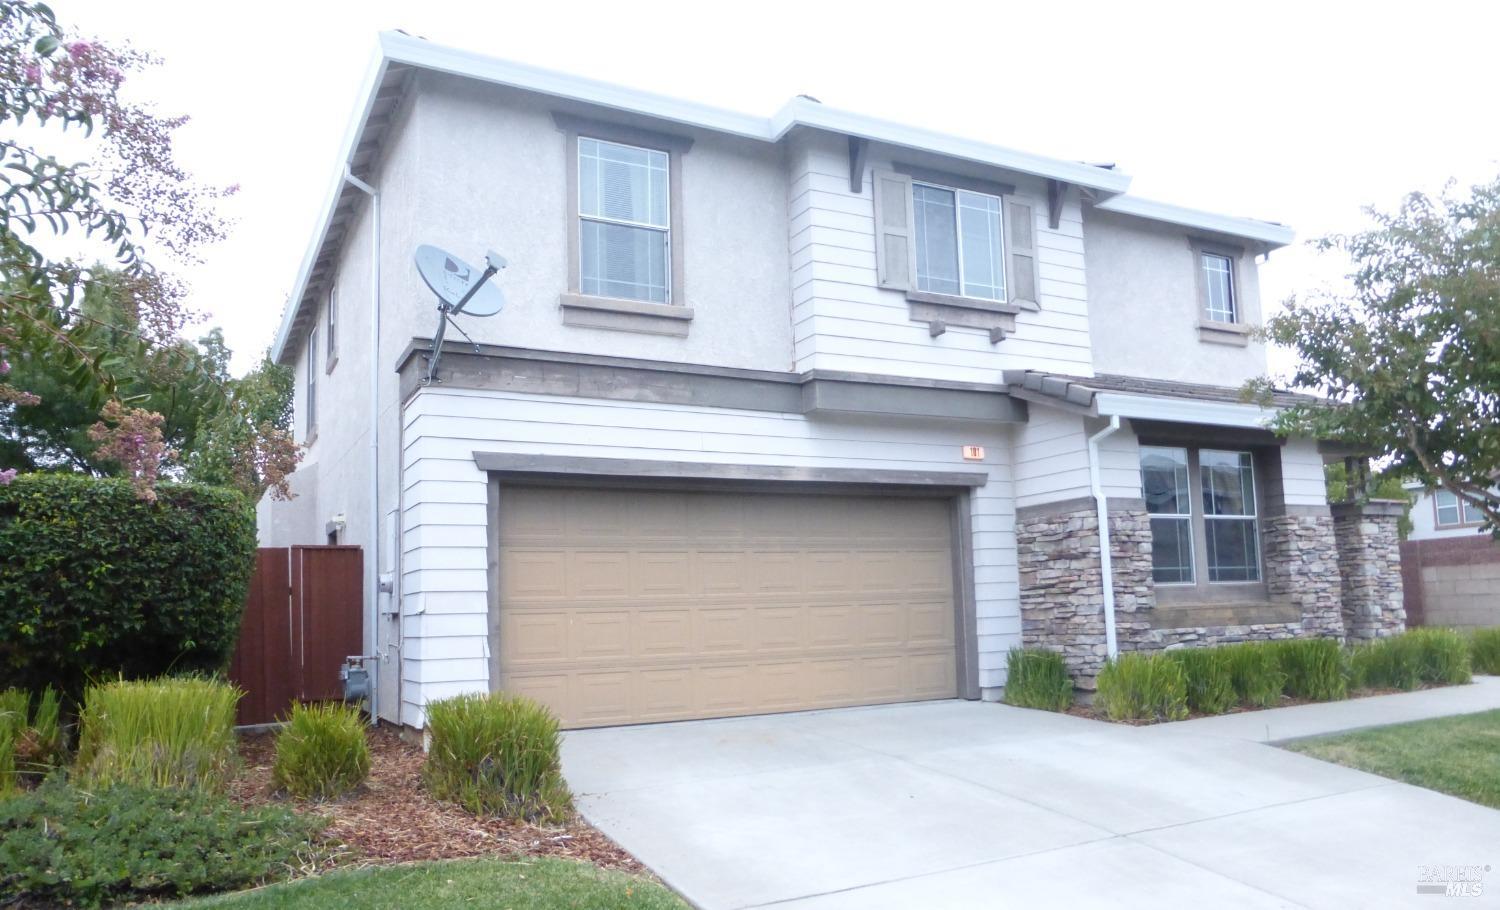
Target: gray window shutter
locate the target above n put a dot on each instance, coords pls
(893, 230)
(1021, 227)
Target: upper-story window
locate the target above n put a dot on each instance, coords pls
(1452, 513)
(311, 404)
(625, 232)
(1205, 533)
(1219, 304)
(959, 242)
(332, 354)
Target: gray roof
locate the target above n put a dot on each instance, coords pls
(1079, 390)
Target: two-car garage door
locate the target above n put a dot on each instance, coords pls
(628, 606)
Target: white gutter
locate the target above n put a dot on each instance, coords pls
(1183, 410)
(372, 558)
(1268, 232)
(1106, 568)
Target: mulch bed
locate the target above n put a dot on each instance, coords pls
(392, 819)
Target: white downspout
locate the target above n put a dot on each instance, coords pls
(372, 561)
(1106, 569)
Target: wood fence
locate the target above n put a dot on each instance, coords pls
(302, 619)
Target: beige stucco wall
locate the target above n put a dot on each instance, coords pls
(1144, 308)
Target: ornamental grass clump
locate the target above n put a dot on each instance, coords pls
(1484, 651)
(158, 733)
(497, 754)
(1142, 686)
(1038, 678)
(1255, 673)
(321, 752)
(1420, 657)
(31, 742)
(1313, 668)
(1210, 681)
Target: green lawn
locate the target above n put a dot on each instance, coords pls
(533, 884)
(1457, 755)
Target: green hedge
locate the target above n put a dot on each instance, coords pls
(97, 583)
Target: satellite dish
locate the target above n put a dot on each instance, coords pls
(460, 285)
(460, 288)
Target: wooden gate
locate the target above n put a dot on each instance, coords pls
(301, 620)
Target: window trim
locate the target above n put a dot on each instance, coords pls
(621, 314)
(331, 355)
(1461, 504)
(1201, 590)
(925, 295)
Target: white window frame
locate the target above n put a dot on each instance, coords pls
(1192, 554)
(1231, 286)
(666, 231)
(1253, 515)
(958, 226)
(1462, 509)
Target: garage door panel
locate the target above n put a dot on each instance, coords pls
(665, 633)
(631, 606)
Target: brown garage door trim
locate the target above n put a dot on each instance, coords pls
(559, 470)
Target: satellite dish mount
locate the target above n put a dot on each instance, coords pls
(460, 289)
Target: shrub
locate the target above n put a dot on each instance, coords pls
(1141, 686)
(1313, 668)
(1484, 651)
(162, 733)
(322, 752)
(1038, 678)
(61, 845)
(497, 754)
(1255, 673)
(1210, 682)
(97, 583)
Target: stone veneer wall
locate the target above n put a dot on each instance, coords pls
(1062, 594)
(1369, 552)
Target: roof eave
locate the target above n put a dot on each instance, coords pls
(1269, 233)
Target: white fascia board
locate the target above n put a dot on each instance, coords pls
(368, 89)
(1183, 410)
(1271, 234)
(811, 114)
(418, 52)
(797, 112)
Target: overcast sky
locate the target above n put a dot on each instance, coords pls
(1295, 112)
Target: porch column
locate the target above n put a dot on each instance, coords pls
(1369, 552)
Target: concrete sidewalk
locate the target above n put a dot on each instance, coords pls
(965, 804)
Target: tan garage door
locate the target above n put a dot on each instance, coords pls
(628, 606)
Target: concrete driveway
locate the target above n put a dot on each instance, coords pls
(965, 804)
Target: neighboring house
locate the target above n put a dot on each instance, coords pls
(1451, 564)
(801, 411)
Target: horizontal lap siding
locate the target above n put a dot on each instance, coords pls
(842, 320)
(445, 534)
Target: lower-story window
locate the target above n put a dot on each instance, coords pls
(1204, 532)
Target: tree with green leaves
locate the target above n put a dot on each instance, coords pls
(101, 330)
(1408, 354)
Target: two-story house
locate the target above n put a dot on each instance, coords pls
(803, 411)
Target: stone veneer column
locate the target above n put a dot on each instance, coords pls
(1301, 560)
(1369, 556)
(1062, 595)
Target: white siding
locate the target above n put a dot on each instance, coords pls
(1051, 458)
(1302, 473)
(1424, 520)
(446, 534)
(841, 319)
